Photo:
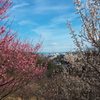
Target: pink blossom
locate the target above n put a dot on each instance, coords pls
(18, 60)
(1, 1)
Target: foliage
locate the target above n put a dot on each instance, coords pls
(51, 66)
(88, 35)
(59, 87)
(17, 59)
(80, 80)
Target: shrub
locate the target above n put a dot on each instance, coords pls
(88, 35)
(17, 59)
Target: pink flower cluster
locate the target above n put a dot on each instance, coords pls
(18, 61)
(2, 29)
(5, 4)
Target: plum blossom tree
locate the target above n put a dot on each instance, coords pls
(18, 60)
(88, 36)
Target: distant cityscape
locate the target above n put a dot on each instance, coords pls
(50, 52)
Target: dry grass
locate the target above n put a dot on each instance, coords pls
(60, 87)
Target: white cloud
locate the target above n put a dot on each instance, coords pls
(57, 48)
(59, 19)
(54, 43)
(49, 33)
(47, 9)
(64, 18)
(52, 8)
(46, 6)
(24, 22)
(19, 5)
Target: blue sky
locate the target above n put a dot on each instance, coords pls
(46, 18)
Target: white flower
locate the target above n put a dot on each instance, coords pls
(79, 0)
(78, 8)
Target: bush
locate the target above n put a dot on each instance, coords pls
(17, 59)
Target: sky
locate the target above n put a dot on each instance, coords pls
(45, 20)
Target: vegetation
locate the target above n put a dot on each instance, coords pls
(80, 80)
(88, 35)
(17, 59)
